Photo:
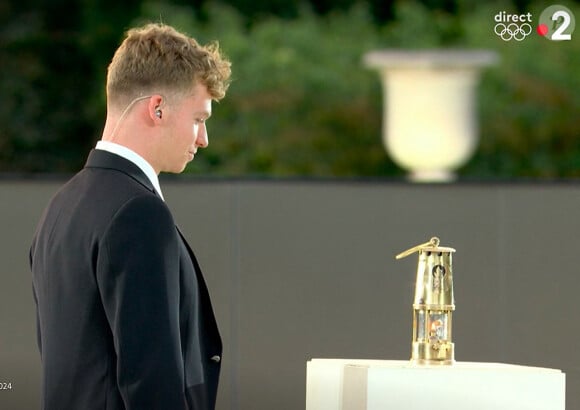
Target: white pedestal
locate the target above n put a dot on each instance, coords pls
(343, 384)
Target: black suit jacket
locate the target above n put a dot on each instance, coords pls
(123, 314)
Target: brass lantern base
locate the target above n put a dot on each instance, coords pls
(433, 353)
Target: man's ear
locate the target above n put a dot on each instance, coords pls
(154, 107)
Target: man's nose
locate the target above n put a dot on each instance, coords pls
(201, 137)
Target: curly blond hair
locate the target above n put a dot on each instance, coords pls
(156, 58)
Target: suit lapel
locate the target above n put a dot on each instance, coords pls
(204, 293)
(192, 256)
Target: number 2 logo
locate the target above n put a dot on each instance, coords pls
(562, 21)
(557, 23)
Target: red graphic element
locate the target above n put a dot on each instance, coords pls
(542, 29)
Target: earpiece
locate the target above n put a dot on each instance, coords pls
(158, 113)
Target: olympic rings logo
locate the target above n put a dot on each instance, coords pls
(512, 30)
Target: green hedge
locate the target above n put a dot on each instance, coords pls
(301, 103)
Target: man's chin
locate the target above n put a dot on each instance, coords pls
(176, 170)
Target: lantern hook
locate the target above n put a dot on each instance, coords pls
(434, 242)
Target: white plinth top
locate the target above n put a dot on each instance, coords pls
(407, 364)
(350, 384)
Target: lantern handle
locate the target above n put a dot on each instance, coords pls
(434, 241)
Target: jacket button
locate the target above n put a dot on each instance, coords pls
(216, 358)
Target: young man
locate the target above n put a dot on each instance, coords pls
(123, 313)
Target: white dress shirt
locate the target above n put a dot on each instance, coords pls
(135, 158)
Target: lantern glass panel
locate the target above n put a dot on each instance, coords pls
(420, 329)
(438, 329)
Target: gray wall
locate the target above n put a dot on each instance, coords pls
(306, 269)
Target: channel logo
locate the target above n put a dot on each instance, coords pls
(556, 23)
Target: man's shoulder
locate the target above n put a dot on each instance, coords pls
(102, 192)
(105, 182)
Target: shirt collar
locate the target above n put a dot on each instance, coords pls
(135, 158)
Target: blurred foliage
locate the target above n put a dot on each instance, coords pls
(53, 57)
(529, 104)
(301, 102)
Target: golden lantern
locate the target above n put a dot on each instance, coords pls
(433, 305)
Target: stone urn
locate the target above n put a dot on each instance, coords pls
(429, 117)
